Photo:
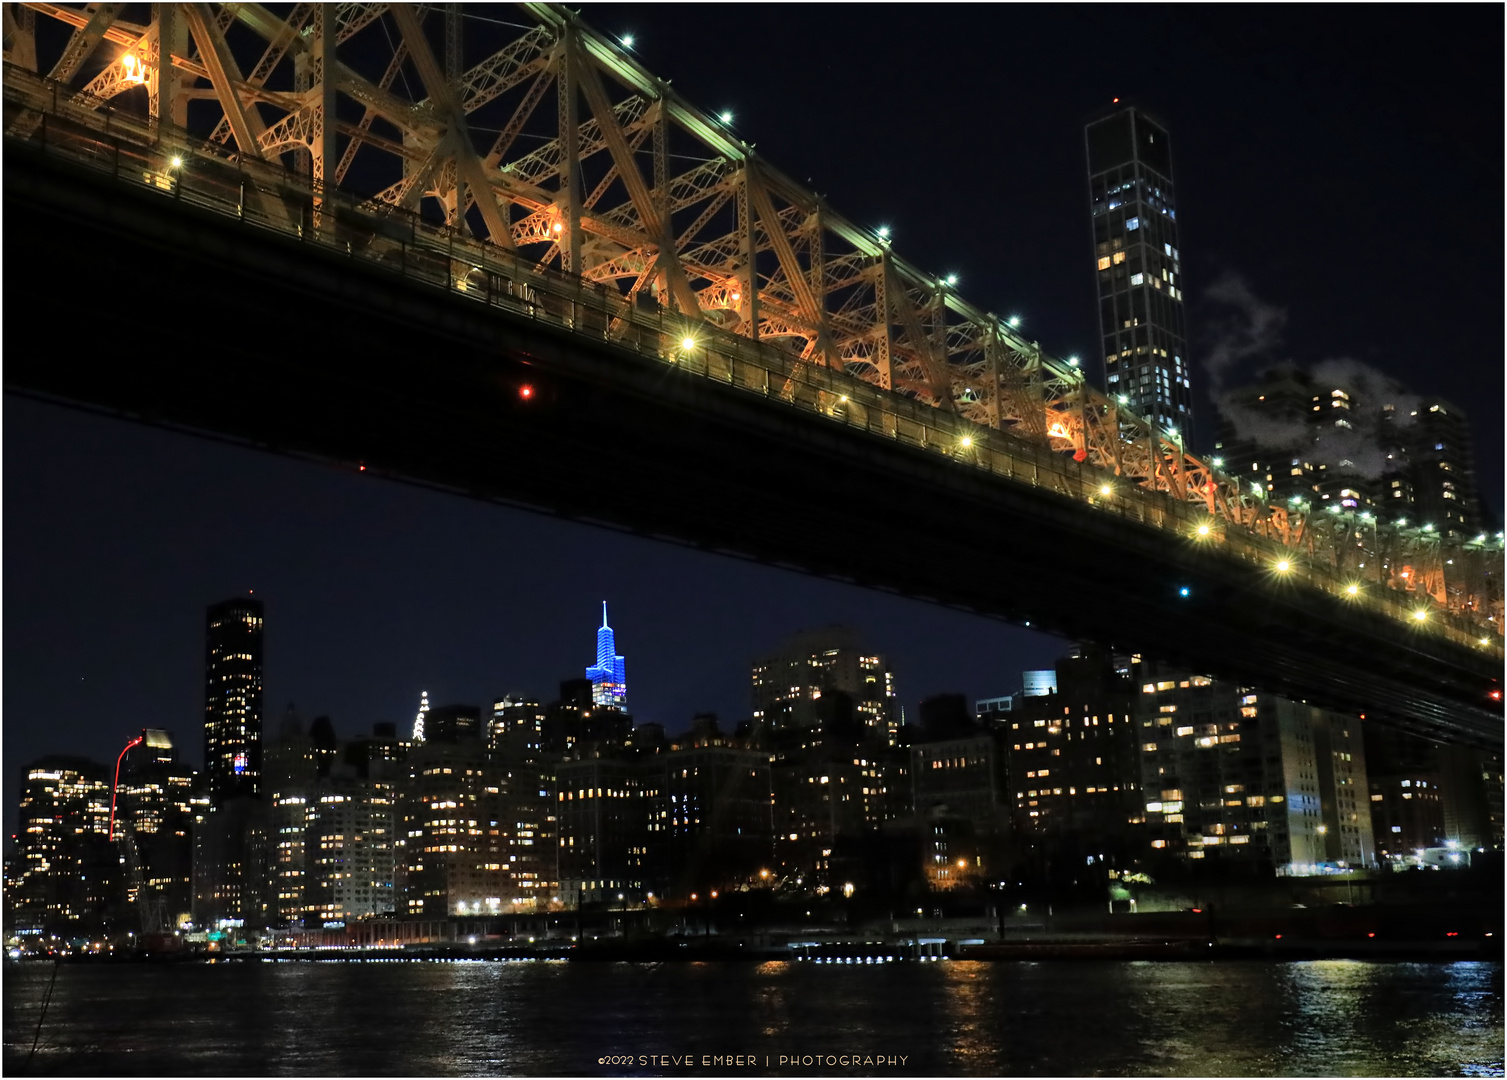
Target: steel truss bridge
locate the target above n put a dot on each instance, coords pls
(509, 261)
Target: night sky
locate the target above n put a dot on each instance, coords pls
(1340, 169)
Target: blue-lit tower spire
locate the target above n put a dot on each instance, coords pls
(608, 683)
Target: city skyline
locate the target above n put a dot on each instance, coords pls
(119, 534)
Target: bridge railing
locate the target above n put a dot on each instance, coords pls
(170, 162)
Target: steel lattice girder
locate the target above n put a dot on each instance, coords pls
(592, 187)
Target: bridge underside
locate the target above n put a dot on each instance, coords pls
(364, 368)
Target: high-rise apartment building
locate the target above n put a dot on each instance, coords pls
(527, 773)
(1346, 442)
(350, 832)
(609, 683)
(964, 776)
(66, 865)
(1267, 431)
(233, 699)
(1443, 469)
(1074, 769)
(451, 823)
(710, 818)
(794, 688)
(1138, 266)
(289, 779)
(1236, 775)
(603, 827)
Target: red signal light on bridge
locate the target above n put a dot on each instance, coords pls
(525, 391)
(1496, 695)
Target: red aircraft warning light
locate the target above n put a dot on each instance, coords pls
(525, 391)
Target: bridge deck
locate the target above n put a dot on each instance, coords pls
(722, 442)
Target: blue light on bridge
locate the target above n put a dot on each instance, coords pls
(1184, 591)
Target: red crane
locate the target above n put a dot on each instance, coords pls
(114, 790)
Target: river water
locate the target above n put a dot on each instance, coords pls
(948, 1018)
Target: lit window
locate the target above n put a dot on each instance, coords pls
(1104, 263)
(1132, 223)
(1136, 279)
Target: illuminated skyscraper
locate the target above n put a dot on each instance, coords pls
(65, 863)
(1139, 267)
(608, 683)
(233, 699)
(418, 721)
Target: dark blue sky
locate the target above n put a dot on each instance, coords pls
(1345, 163)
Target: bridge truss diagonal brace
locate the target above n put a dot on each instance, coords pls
(468, 168)
(21, 36)
(655, 223)
(224, 76)
(84, 41)
(936, 369)
(808, 307)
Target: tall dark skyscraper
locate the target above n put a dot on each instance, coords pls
(1444, 480)
(233, 699)
(609, 684)
(1139, 267)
